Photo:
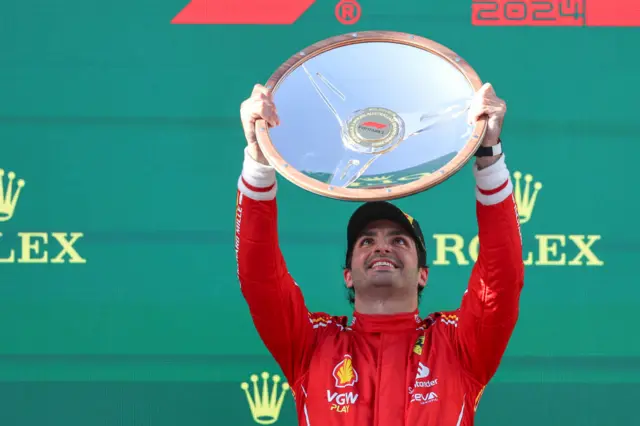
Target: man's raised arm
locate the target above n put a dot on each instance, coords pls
(275, 301)
(490, 306)
(483, 325)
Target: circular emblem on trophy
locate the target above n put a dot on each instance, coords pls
(374, 130)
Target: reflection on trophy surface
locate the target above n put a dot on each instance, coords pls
(374, 115)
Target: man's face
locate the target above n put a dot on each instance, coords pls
(385, 257)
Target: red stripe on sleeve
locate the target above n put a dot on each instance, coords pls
(257, 189)
(495, 190)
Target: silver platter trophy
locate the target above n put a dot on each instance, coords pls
(370, 116)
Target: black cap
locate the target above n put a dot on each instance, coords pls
(378, 210)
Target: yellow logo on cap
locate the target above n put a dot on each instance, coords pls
(410, 219)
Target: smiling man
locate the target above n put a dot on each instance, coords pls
(389, 366)
(386, 258)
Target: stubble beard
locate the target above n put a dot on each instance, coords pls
(382, 280)
(383, 283)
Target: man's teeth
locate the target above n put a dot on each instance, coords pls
(383, 264)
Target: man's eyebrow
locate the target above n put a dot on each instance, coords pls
(395, 232)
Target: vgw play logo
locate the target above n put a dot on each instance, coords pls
(259, 12)
(31, 246)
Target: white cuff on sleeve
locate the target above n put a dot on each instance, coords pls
(258, 181)
(256, 174)
(493, 183)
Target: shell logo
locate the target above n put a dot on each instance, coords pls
(344, 373)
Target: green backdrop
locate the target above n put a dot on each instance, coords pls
(126, 129)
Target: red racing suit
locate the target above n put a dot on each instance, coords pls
(383, 370)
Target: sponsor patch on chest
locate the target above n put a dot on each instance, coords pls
(423, 391)
(343, 396)
(341, 402)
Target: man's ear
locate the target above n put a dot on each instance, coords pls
(422, 277)
(347, 278)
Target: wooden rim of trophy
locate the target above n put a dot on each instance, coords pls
(382, 192)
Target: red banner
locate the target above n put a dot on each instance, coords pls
(249, 12)
(613, 13)
(558, 13)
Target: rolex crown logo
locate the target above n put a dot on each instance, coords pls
(525, 197)
(9, 195)
(265, 405)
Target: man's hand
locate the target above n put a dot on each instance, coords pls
(486, 104)
(259, 106)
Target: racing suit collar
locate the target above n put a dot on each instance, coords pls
(385, 322)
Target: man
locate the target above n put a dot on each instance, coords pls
(388, 367)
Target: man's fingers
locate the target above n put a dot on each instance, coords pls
(267, 111)
(489, 110)
(259, 106)
(486, 110)
(257, 109)
(486, 89)
(260, 89)
(486, 104)
(477, 109)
